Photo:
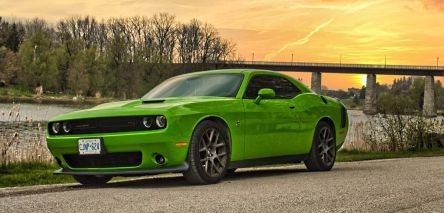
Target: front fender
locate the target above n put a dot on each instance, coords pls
(187, 117)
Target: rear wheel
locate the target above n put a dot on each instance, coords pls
(323, 151)
(91, 180)
(209, 153)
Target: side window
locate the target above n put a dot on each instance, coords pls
(284, 88)
(256, 83)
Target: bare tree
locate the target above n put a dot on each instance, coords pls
(164, 36)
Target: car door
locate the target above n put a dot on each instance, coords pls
(270, 126)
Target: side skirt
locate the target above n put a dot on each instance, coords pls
(268, 161)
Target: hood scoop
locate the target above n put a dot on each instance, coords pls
(155, 101)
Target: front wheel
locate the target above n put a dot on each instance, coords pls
(323, 151)
(91, 180)
(208, 154)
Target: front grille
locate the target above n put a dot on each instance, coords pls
(124, 159)
(106, 125)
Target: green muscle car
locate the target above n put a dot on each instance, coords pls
(204, 125)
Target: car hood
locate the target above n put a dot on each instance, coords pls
(135, 107)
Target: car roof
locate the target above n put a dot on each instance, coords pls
(249, 72)
(229, 71)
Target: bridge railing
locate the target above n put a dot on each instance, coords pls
(335, 65)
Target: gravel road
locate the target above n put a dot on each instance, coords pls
(401, 185)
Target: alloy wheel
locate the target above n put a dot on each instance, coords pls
(213, 152)
(326, 146)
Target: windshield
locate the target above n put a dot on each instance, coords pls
(220, 85)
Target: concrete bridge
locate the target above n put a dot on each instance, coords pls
(370, 70)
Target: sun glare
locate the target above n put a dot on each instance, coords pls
(363, 80)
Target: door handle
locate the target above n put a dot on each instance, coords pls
(291, 106)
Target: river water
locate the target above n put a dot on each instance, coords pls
(36, 112)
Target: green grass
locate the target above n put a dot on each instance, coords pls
(16, 91)
(26, 174)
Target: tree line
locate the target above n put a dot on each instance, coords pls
(117, 57)
(410, 91)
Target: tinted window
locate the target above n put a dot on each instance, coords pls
(221, 85)
(284, 88)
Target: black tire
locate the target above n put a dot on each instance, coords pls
(208, 154)
(230, 172)
(323, 151)
(92, 180)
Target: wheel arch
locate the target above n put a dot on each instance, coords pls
(331, 123)
(214, 118)
(219, 120)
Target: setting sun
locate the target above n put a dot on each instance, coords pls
(363, 80)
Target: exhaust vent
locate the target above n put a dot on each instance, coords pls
(152, 101)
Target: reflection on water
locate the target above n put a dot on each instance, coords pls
(357, 116)
(36, 112)
(22, 131)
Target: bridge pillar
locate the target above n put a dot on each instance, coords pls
(316, 81)
(428, 108)
(370, 95)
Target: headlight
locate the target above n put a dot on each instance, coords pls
(55, 127)
(161, 121)
(66, 127)
(147, 122)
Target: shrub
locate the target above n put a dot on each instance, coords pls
(21, 139)
(400, 127)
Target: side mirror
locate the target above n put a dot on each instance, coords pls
(264, 93)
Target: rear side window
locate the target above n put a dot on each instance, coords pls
(283, 88)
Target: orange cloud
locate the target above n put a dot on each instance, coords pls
(300, 41)
(433, 4)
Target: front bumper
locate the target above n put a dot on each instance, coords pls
(182, 168)
(150, 143)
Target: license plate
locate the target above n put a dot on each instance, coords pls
(90, 146)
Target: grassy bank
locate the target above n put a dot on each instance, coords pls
(61, 100)
(348, 156)
(19, 94)
(26, 174)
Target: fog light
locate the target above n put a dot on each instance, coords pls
(161, 121)
(159, 159)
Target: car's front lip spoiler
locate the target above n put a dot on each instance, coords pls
(182, 168)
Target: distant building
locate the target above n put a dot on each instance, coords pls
(354, 91)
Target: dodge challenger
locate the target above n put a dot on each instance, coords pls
(204, 125)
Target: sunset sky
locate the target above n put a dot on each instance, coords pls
(403, 31)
